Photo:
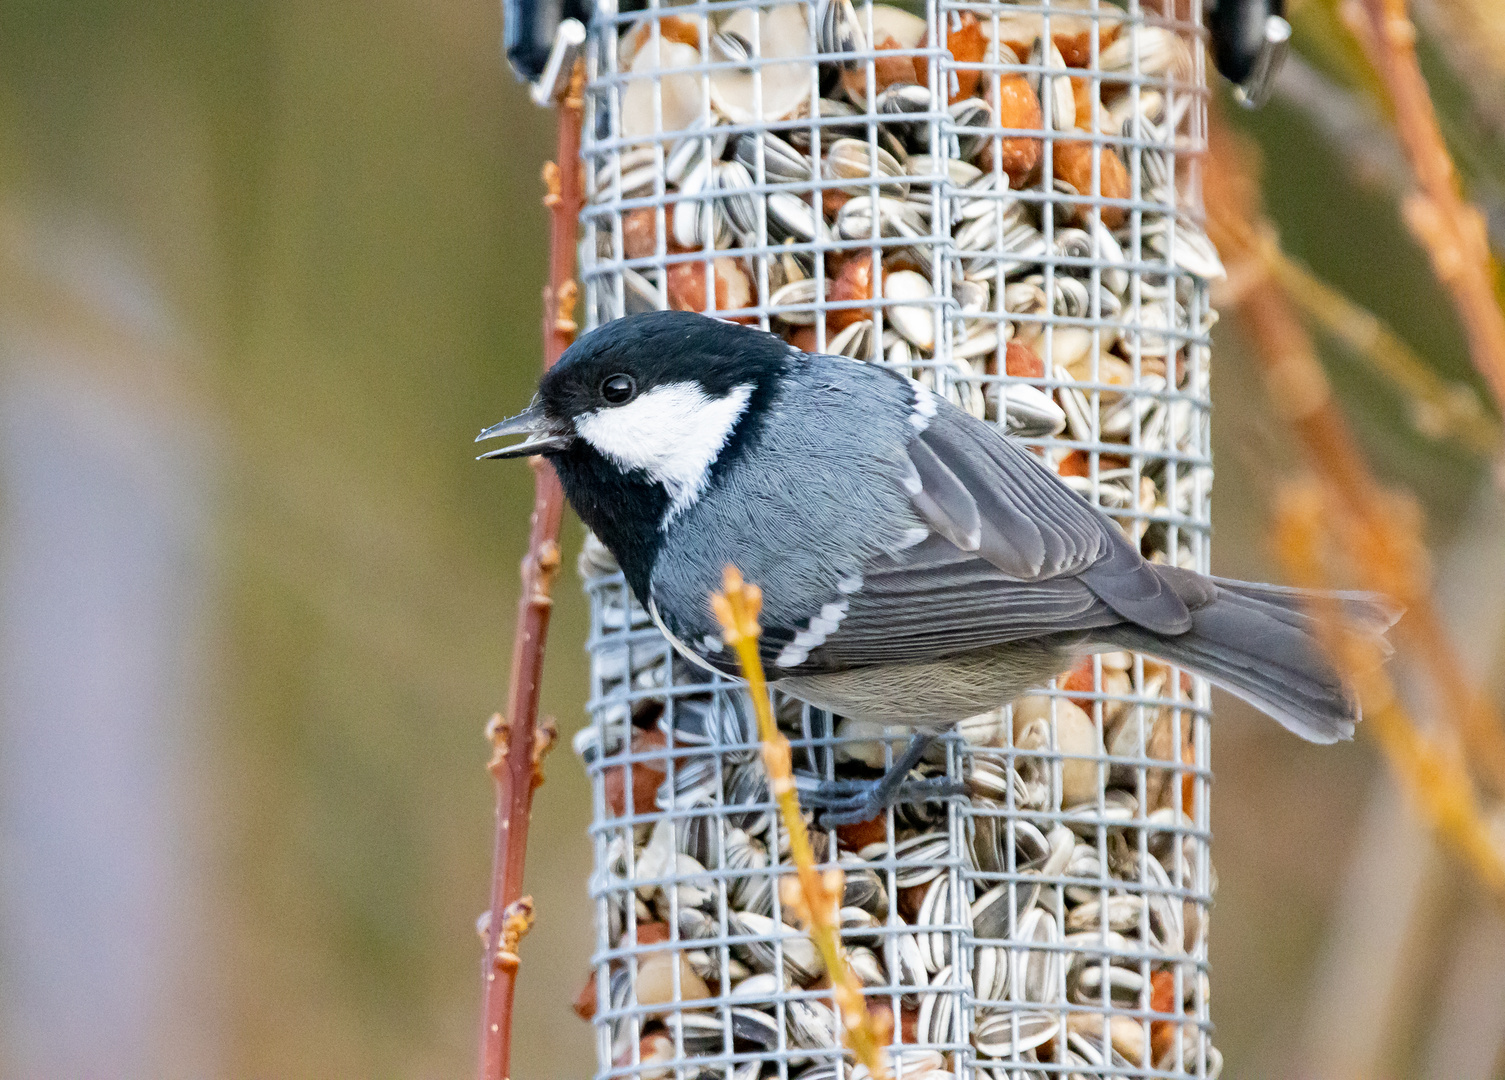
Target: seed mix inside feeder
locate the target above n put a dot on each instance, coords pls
(998, 199)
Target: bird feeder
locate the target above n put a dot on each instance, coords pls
(1000, 200)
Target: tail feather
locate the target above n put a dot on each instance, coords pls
(1259, 643)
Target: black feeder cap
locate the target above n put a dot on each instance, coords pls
(1237, 29)
(528, 28)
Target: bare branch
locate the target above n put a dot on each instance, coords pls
(519, 742)
(1450, 228)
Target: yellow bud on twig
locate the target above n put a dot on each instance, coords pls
(812, 896)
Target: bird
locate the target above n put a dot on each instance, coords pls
(918, 566)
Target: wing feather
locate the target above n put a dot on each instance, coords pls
(904, 623)
(942, 499)
(1036, 528)
(1012, 554)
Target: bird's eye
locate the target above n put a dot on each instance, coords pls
(619, 389)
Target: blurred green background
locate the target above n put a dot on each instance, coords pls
(267, 267)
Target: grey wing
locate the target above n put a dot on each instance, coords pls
(937, 600)
(1032, 526)
(1013, 553)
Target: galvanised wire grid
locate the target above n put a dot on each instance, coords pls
(1000, 199)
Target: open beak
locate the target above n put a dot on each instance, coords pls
(542, 434)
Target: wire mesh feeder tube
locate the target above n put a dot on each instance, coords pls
(999, 199)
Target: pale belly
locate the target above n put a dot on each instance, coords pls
(934, 693)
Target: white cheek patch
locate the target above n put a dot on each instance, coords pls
(674, 433)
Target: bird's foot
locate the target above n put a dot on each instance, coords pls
(846, 802)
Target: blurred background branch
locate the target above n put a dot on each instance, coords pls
(1440, 408)
(1345, 507)
(1439, 216)
(1430, 766)
(1382, 530)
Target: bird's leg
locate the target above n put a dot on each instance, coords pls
(845, 802)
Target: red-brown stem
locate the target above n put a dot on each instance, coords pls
(1451, 229)
(519, 740)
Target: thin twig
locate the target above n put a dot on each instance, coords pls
(1438, 408)
(1348, 105)
(1471, 35)
(817, 899)
(1348, 121)
(519, 742)
(1449, 228)
(1429, 766)
(1394, 561)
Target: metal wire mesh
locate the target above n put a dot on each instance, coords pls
(999, 199)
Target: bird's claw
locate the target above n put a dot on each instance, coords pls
(847, 802)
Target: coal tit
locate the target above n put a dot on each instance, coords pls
(917, 565)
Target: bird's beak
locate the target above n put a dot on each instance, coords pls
(542, 434)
